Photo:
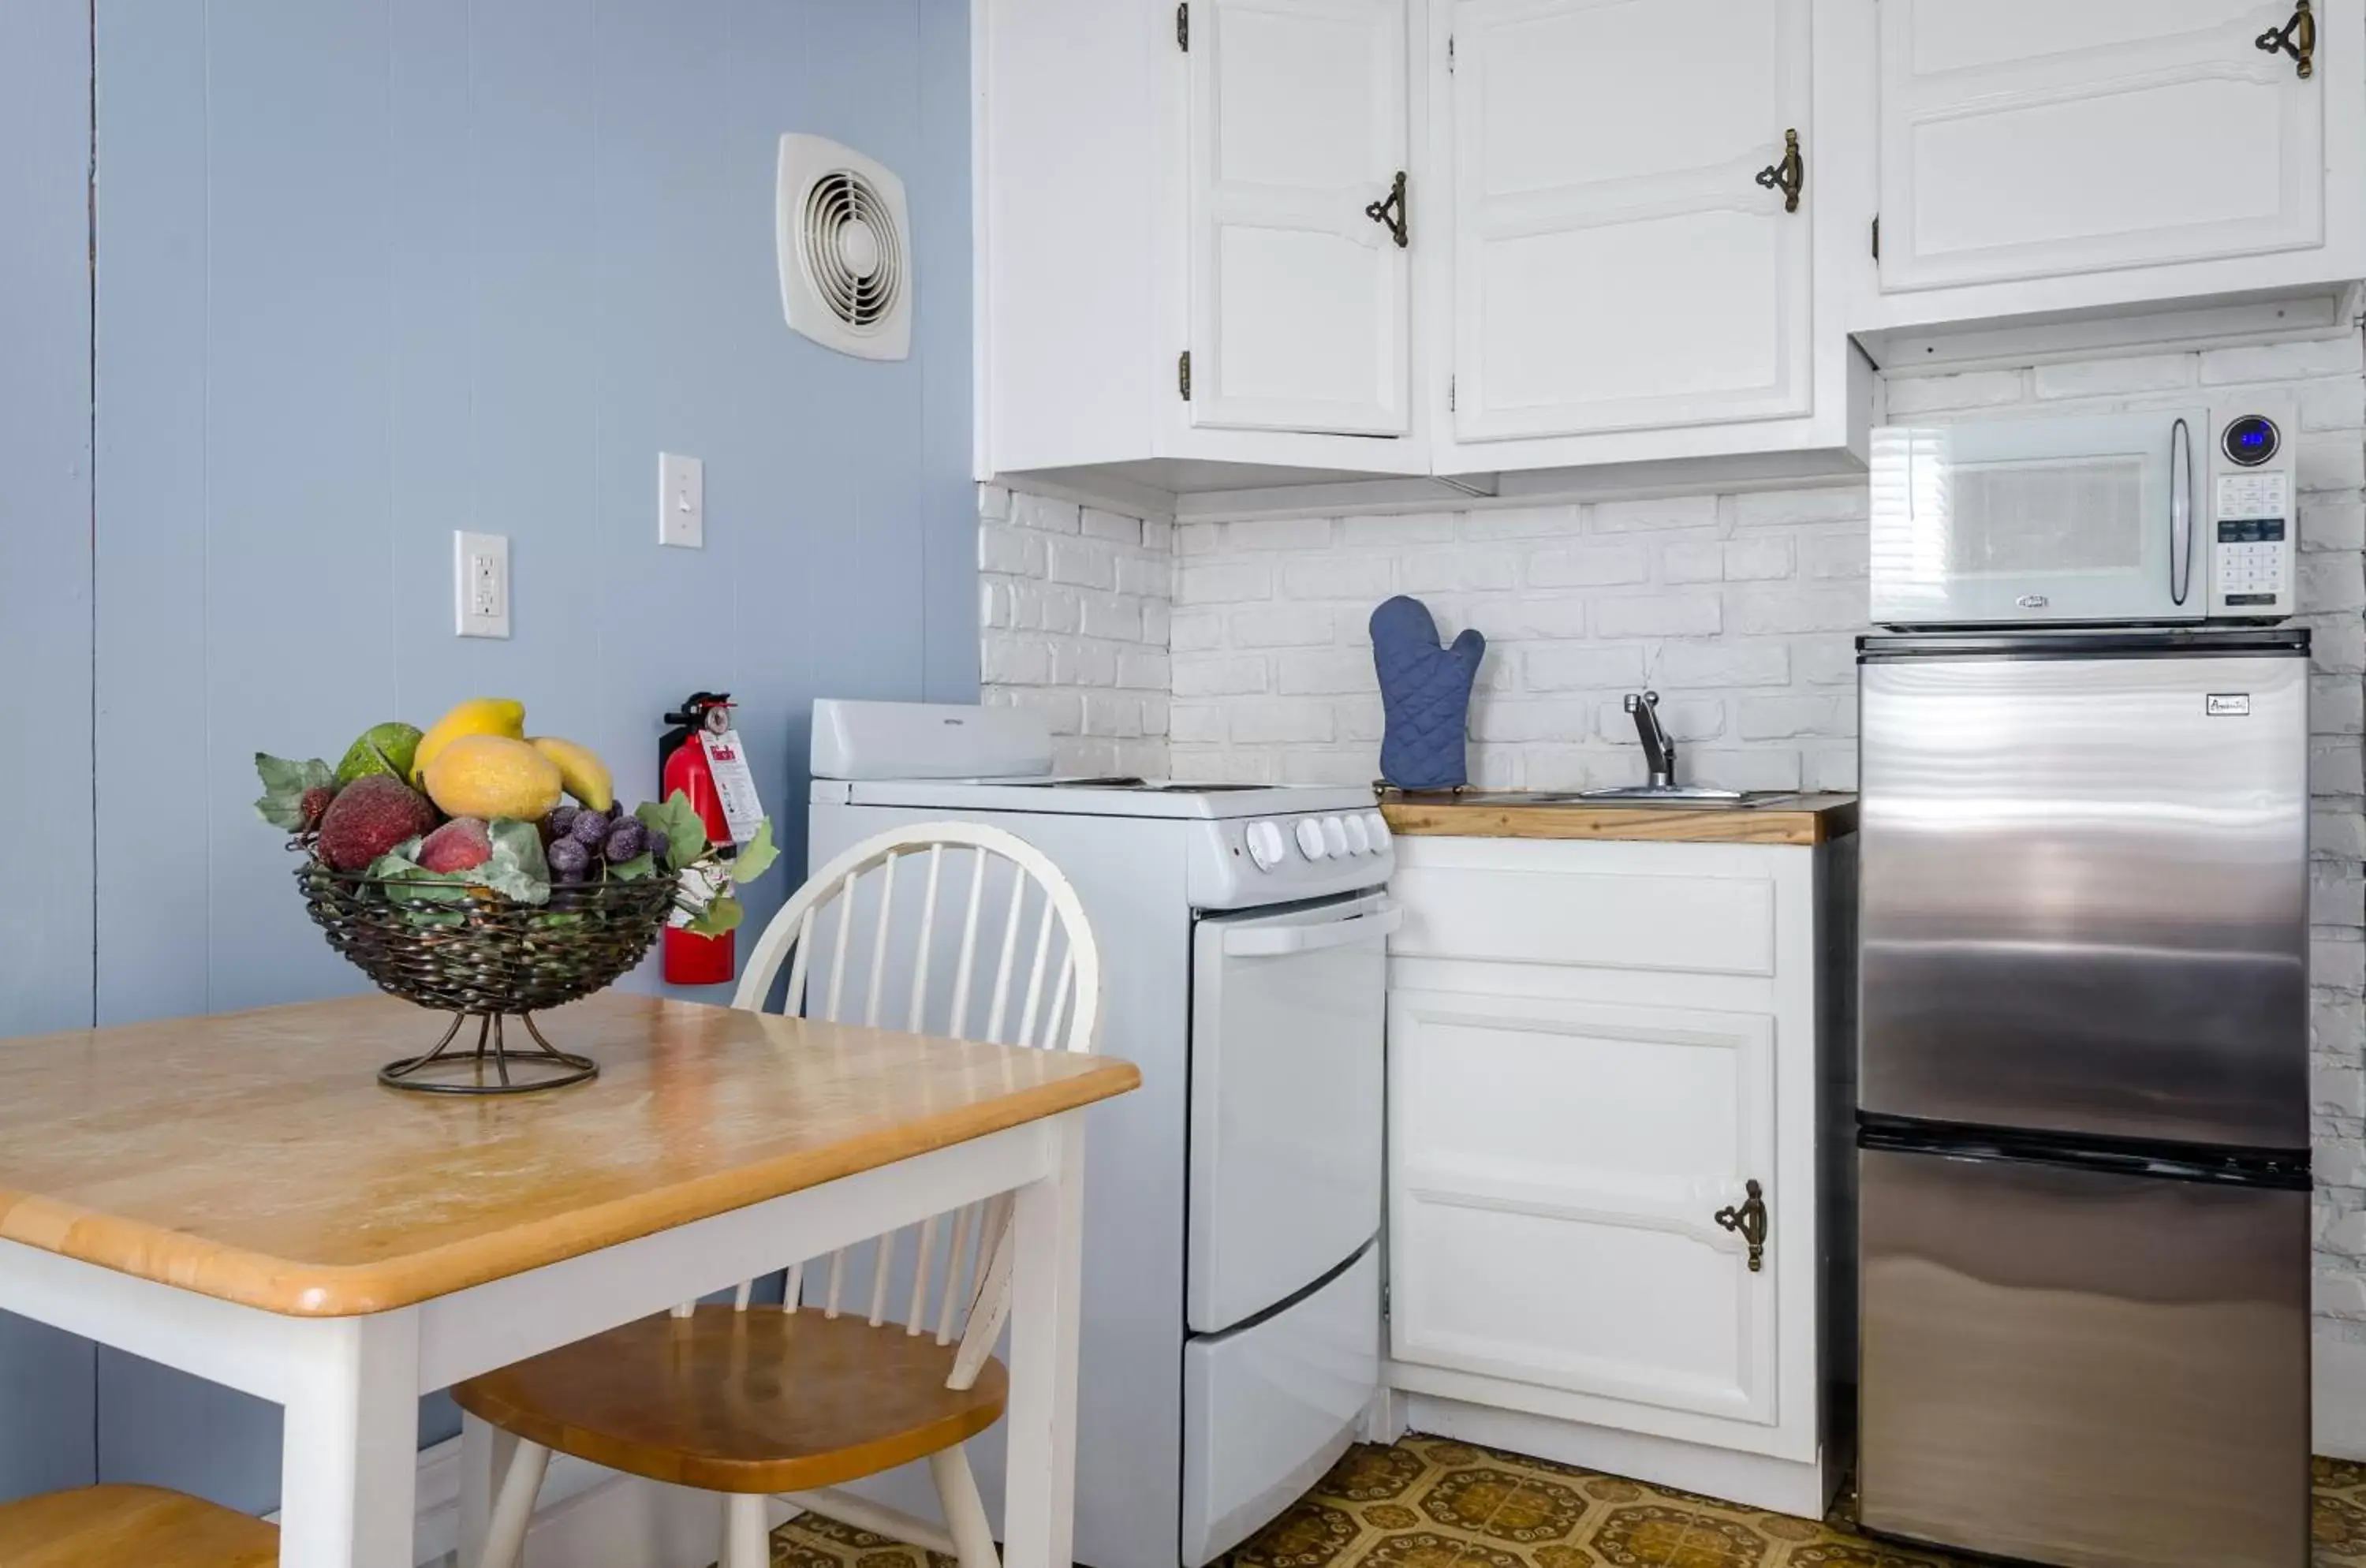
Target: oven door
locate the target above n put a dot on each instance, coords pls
(2086, 521)
(1287, 1066)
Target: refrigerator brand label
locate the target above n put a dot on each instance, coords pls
(2228, 704)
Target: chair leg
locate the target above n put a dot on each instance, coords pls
(514, 1509)
(965, 1509)
(747, 1537)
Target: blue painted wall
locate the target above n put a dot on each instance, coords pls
(45, 597)
(373, 270)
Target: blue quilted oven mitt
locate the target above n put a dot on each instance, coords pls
(1425, 694)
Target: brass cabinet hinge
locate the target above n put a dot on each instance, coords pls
(1876, 236)
(1450, 394)
(1183, 374)
(1183, 27)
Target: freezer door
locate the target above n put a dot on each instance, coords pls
(2095, 1369)
(2085, 894)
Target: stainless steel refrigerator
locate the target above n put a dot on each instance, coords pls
(2083, 1096)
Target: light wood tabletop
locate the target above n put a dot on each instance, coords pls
(253, 1156)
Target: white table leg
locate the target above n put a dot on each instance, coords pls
(348, 1479)
(485, 1454)
(1040, 1496)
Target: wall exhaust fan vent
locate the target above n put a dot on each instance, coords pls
(844, 237)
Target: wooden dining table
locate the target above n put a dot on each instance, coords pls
(238, 1197)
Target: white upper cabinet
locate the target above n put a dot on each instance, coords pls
(1626, 255)
(1653, 211)
(1178, 287)
(2113, 152)
(1299, 314)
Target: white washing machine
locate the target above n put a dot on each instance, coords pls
(1232, 1306)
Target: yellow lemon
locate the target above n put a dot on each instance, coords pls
(492, 776)
(581, 770)
(477, 716)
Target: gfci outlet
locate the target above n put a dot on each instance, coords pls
(682, 501)
(481, 573)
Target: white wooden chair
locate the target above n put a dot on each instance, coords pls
(793, 1402)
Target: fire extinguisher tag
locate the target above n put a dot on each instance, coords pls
(735, 784)
(702, 884)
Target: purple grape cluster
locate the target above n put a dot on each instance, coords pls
(579, 838)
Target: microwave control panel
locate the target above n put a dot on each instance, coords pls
(2252, 521)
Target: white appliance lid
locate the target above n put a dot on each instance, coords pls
(928, 740)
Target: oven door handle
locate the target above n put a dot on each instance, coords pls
(1276, 942)
(2181, 513)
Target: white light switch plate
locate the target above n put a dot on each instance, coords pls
(682, 501)
(480, 584)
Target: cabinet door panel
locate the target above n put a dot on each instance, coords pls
(1555, 1167)
(1617, 263)
(2022, 139)
(1298, 301)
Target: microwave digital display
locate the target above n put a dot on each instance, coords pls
(2251, 530)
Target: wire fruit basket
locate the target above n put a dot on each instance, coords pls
(487, 958)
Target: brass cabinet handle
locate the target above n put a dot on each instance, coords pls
(1389, 211)
(2296, 37)
(1749, 1222)
(1790, 175)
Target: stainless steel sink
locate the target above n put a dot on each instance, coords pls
(1694, 796)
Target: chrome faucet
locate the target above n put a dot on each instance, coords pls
(1658, 751)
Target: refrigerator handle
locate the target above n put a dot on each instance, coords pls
(2181, 513)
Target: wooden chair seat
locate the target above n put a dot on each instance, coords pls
(756, 1401)
(131, 1526)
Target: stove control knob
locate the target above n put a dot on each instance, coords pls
(1334, 838)
(1359, 838)
(1265, 845)
(1310, 839)
(1378, 827)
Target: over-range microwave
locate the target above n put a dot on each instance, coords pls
(2180, 515)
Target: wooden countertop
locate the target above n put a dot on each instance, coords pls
(253, 1156)
(1800, 819)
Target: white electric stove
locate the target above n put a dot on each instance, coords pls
(1231, 1310)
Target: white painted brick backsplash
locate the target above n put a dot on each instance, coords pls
(1240, 651)
(1909, 395)
(2107, 377)
(1589, 566)
(1629, 517)
(1658, 614)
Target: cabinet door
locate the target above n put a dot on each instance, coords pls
(1298, 301)
(1616, 262)
(2031, 138)
(1556, 1168)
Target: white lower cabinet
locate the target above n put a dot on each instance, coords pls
(1606, 1062)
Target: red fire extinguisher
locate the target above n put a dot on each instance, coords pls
(691, 960)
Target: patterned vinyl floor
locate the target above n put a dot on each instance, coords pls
(1426, 1503)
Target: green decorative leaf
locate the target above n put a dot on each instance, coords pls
(284, 784)
(721, 914)
(633, 869)
(679, 821)
(756, 856)
(414, 883)
(518, 870)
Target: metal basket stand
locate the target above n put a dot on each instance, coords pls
(463, 1071)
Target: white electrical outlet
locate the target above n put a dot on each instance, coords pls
(682, 501)
(480, 582)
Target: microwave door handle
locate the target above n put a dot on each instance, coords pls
(2181, 513)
